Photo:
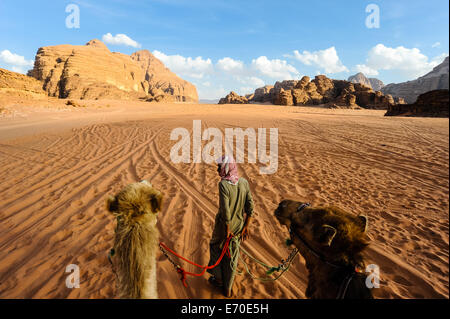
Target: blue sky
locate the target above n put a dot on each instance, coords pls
(240, 45)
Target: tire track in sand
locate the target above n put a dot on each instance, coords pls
(79, 170)
(83, 188)
(29, 224)
(201, 200)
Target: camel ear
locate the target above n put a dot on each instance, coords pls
(327, 235)
(112, 204)
(156, 202)
(364, 222)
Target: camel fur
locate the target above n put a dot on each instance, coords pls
(136, 239)
(328, 237)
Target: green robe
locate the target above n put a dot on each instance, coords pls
(234, 201)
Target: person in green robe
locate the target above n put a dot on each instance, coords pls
(234, 215)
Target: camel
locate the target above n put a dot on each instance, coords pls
(136, 239)
(331, 242)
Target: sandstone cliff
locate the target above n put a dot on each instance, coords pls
(233, 98)
(161, 78)
(323, 91)
(431, 104)
(437, 79)
(19, 84)
(261, 94)
(92, 72)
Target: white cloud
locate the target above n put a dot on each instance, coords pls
(212, 93)
(252, 81)
(8, 57)
(250, 84)
(17, 62)
(19, 69)
(366, 70)
(438, 59)
(411, 63)
(227, 70)
(120, 39)
(196, 68)
(436, 45)
(276, 69)
(244, 90)
(255, 81)
(230, 65)
(328, 60)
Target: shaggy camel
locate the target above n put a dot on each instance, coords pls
(136, 239)
(331, 241)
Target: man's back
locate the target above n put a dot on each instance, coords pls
(234, 201)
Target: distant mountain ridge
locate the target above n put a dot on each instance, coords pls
(373, 83)
(208, 101)
(437, 79)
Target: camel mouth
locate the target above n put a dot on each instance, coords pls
(281, 219)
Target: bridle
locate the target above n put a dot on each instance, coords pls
(312, 251)
(344, 285)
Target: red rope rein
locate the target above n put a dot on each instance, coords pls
(183, 272)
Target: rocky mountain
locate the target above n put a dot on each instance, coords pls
(376, 84)
(233, 98)
(261, 94)
(19, 84)
(373, 83)
(432, 104)
(437, 79)
(323, 91)
(360, 78)
(92, 72)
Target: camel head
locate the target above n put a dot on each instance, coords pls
(136, 238)
(285, 210)
(137, 202)
(329, 231)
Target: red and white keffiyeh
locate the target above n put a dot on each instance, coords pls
(228, 169)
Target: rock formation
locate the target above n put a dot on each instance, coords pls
(437, 79)
(92, 72)
(323, 91)
(262, 94)
(249, 96)
(431, 104)
(233, 98)
(158, 95)
(372, 83)
(20, 84)
(376, 84)
(283, 97)
(160, 77)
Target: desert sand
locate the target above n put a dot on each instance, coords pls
(58, 164)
